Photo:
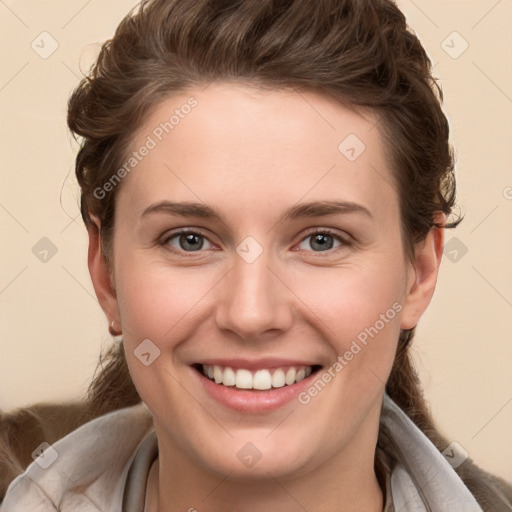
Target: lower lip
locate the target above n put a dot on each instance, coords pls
(253, 401)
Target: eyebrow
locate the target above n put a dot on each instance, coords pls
(303, 210)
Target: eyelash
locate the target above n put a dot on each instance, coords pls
(344, 241)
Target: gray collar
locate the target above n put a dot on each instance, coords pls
(422, 480)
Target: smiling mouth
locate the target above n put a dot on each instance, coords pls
(262, 379)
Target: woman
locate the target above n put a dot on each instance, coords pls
(265, 187)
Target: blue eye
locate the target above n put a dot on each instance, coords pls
(188, 241)
(323, 240)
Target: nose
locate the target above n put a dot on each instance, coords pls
(254, 301)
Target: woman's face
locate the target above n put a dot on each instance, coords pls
(293, 265)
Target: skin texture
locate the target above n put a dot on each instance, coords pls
(252, 154)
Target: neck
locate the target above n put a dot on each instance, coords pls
(346, 482)
(277, 495)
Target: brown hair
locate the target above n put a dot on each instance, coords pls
(360, 52)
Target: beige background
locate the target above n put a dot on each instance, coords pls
(52, 327)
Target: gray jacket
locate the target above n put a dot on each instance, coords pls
(103, 465)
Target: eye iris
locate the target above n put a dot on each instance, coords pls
(324, 241)
(187, 242)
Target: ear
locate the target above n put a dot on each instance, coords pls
(101, 274)
(423, 275)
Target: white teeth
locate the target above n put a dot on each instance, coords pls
(260, 379)
(290, 376)
(278, 379)
(217, 374)
(243, 379)
(229, 378)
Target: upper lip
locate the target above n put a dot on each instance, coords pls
(257, 364)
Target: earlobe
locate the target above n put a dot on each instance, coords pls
(423, 275)
(100, 272)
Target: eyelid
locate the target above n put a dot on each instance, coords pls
(345, 238)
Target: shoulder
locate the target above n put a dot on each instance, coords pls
(491, 491)
(420, 464)
(25, 428)
(85, 469)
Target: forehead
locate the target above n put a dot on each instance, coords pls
(235, 141)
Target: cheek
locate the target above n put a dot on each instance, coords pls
(157, 301)
(159, 304)
(359, 310)
(359, 314)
